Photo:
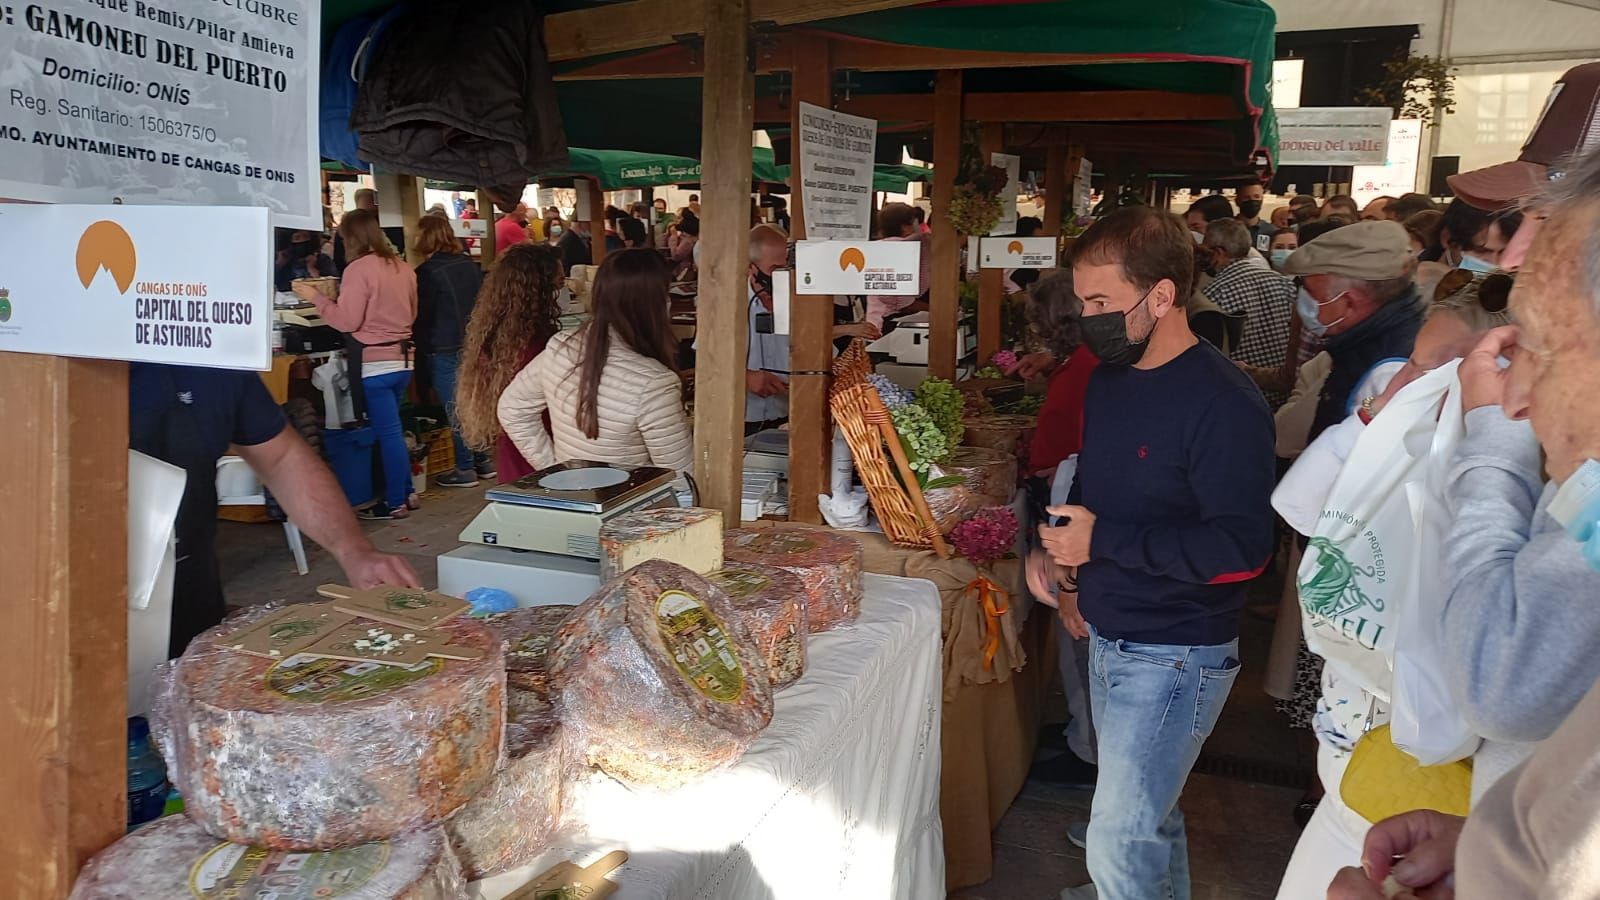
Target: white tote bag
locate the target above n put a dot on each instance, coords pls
(1359, 567)
(1425, 719)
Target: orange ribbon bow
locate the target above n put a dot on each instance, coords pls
(990, 598)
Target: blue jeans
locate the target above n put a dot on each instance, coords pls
(444, 367)
(384, 395)
(1154, 705)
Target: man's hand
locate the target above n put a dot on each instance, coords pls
(1353, 884)
(764, 384)
(864, 330)
(1427, 840)
(1070, 617)
(368, 568)
(1068, 544)
(1483, 381)
(1043, 576)
(1036, 364)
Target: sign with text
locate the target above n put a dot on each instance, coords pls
(857, 267)
(1008, 194)
(1398, 174)
(188, 285)
(470, 228)
(1081, 188)
(836, 159)
(185, 102)
(1333, 135)
(1018, 252)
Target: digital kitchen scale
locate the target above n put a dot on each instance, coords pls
(559, 510)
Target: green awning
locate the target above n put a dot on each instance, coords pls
(619, 169)
(894, 179)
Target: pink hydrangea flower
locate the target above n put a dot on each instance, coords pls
(1006, 361)
(989, 535)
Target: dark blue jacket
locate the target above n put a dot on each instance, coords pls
(1388, 333)
(447, 289)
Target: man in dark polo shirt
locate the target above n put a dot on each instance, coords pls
(190, 417)
(1168, 517)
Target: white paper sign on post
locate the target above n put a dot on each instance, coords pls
(857, 267)
(1018, 252)
(1333, 135)
(470, 228)
(1398, 174)
(1081, 187)
(1008, 194)
(835, 170)
(182, 102)
(172, 284)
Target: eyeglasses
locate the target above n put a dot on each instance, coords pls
(1493, 291)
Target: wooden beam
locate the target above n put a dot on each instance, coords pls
(991, 282)
(636, 25)
(597, 222)
(62, 728)
(944, 303)
(723, 323)
(678, 61)
(810, 318)
(1057, 187)
(486, 248)
(410, 211)
(1041, 106)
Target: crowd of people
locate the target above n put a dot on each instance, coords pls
(1456, 672)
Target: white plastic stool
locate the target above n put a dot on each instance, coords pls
(237, 485)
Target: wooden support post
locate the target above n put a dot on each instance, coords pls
(944, 299)
(597, 222)
(486, 248)
(728, 111)
(410, 212)
(1057, 187)
(810, 317)
(991, 282)
(62, 727)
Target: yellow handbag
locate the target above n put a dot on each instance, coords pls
(1382, 781)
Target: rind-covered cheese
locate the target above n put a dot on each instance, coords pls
(688, 536)
(528, 633)
(829, 565)
(510, 821)
(175, 858)
(773, 605)
(318, 754)
(658, 679)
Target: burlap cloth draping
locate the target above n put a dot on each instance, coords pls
(990, 718)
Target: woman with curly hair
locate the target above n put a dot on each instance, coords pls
(609, 389)
(517, 313)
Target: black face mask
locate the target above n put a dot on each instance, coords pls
(1106, 336)
(1249, 208)
(763, 281)
(302, 249)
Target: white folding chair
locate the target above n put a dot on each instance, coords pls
(237, 485)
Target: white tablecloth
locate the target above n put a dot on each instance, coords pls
(838, 798)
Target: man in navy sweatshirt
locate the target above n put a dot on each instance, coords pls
(1168, 518)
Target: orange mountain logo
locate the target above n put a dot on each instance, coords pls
(1014, 248)
(852, 256)
(105, 245)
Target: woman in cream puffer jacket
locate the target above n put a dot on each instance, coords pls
(610, 387)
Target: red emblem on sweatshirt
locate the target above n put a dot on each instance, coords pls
(1144, 452)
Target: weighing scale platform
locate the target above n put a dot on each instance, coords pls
(533, 578)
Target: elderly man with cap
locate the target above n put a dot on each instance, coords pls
(1358, 296)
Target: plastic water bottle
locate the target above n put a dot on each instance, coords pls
(147, 776)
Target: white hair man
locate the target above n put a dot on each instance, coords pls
(1240, 287)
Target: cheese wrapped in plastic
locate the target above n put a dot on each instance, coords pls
(657, 678)
(511, 821)
(528, 633)
(828, 563)
(773, 605)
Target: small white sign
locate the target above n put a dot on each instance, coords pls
(1286, 79)
(1398, 175)
(835, 170)
(189, 285)
(1333, 136)
(782, 287)
(470, 228)
(1081, 187)
(857, 267)
(1008, 194)
(1018, 252)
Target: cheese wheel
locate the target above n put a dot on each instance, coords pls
(173, 857)
(510, 821)
(829, 565)
(318, 754)
(688, 536)
(773, 605)
(657, 678)
(527, 633)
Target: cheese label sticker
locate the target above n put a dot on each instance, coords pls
(234, 870)
(700, 646)
(533, 648)
(784, 543)
(739, 584)
(314, 679)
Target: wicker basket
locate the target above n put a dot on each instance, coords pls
(327, 285)
(851, 367)
(999, 431)
(864, 420)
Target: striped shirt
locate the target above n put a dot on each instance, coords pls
(1267, 301)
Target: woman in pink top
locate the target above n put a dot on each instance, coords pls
(376, 306)
(898, 222)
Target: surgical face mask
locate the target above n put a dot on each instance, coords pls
(555, 231)
(1106, 336)
(1198, 237)
(1307, 306)
(1280, 257)
(1576, 506)
(1249, 209)
(1477, 264)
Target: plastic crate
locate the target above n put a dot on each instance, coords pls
(350, 455)
(441, 451)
